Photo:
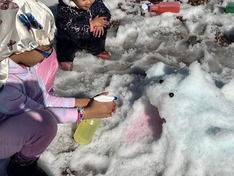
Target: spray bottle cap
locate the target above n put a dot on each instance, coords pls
(146, 5)
(105, 98)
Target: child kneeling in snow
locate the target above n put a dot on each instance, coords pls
(28, 113)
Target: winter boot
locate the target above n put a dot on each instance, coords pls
(66, 66)
(19, 167)
(105, 55)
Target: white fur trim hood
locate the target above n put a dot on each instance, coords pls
(69, 3)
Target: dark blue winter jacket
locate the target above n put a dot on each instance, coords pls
(74, 23)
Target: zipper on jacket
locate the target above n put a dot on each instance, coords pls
(90, 14)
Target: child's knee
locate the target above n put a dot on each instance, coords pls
(47, 125)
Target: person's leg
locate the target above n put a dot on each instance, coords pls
(47, 69)
(66, 50)
(24, 138)
(96, 46)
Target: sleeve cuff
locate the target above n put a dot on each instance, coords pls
(91, 26)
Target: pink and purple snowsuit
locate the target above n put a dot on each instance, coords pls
(28, 114)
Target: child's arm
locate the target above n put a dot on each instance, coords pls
(93, 109)
(99, 22)
(98, 31)
(14, 102)
(82, 102)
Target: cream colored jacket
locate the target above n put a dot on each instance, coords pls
(15, 36)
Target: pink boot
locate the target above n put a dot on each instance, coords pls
(105, 55)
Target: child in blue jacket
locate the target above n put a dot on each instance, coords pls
(81, 24)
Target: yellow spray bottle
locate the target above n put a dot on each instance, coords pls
(87, 127)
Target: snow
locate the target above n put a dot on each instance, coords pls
(173, 76)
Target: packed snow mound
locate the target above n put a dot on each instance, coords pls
(199, 126)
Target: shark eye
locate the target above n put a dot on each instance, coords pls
(171, 94)
(160, 81)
